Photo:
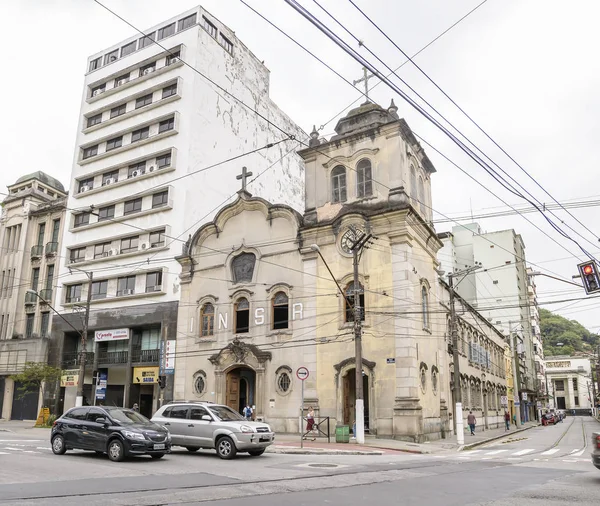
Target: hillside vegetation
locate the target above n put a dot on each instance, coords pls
(573, 336)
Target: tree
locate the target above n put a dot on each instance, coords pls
(573, 337)
(35, 377)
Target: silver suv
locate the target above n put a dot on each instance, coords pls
(196, 425)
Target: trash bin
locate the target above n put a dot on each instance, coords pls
(342, 434)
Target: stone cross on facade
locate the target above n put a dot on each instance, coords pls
(244, 176)
(365, 79)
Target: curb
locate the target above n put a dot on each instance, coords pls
(479, 443)
(318, 451)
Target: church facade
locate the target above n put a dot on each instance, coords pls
(261, 291)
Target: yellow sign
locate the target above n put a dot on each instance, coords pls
(145, 375)
(42, 417)
(69, 378)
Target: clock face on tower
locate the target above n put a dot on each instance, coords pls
(349, 238)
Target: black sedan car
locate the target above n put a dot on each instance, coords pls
(118, 432)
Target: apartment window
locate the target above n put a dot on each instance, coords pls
(575, 385)
(160, 199)
(143, 101)
(138, 135)
(95, 64)
(99, 289)
(129, 244)
(186, 22)
(163, 161)
(207, 319)
(169, 91)
(35, 278)
(166, 125)
(55, 230)
(136, 169)
(101, 250)
(45, 323)
(349, 302)
(227, 45)
(94, 120)
(86, 185)
(495, 281)
(115, 143)
(126, 286)
(280, 305)
(77, 255)
(128, 48)
(147, 69)
(576, 401)
(73, 293)
(106, 213)
(41, 233)
(50, 277)
(91, 151)
(559, 385)
(29, 325)
(110, 177)
(147, 40)
(338, 184)
(173, 58)
(121, 80)
(81, 220)
(133, 206)
(242, 316)
(118, 111)
(154, 281)
(98, 90)
(425, 307)
(111, 57)
(209, 27)
(166, 31)
(364, 181)
(157, 239)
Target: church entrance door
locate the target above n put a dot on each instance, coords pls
(240, 388)
(349, 398)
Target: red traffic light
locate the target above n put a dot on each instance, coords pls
(588, 269)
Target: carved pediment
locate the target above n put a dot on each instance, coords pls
(240, 352)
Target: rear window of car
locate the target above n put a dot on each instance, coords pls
(77, 413)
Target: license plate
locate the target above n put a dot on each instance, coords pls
(159, 447)
(265, 439)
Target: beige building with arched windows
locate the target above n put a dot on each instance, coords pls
(258, 301)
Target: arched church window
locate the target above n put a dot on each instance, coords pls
(421, 195)
(425, 306)
(207, 317)
(413, 182)
(364, 179)
(284, 382)
(242, 316)
(434, 381)
(280, 311)
(242, 267)
(349, 302)
(338, 184)
(199, 385)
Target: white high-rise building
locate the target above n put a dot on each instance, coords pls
(151, 126)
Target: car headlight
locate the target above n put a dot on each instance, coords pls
(246, 429)
(134, 435)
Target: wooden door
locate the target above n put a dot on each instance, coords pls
(348, 407)
(233, 390)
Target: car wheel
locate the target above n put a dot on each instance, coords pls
(157, 455)
(192, 449)
(58, 445)
(226, 448)
(257, 453)
(116, 452)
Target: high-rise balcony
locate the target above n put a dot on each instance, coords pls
(30, 299)
(37, 251)
(51, 249)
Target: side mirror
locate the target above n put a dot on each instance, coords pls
(102, 420)
(208, 418)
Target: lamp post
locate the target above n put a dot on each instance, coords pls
(515, 375)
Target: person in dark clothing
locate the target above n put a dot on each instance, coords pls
(507, 420)
(471, 420)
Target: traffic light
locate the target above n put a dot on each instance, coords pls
(162, 381)
(589, 275)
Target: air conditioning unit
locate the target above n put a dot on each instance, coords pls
(75, 299)
(121, 82)
(151, 168)
(113, 252)
(175, 59)
(84, 188)
(136, 173)
(149, 70)
(145, 246)
(109, 180)
(97, 92)
(128, 292)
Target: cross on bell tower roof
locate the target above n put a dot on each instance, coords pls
(243, 177)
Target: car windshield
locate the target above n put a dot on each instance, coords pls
(225, 414)
(127, 416)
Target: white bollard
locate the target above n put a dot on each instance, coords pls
(460, 429)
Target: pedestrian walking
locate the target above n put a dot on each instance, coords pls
(135, 407)
(471, 420)
(507, 420)
(310, 422)
(247, 412)
(515, 419)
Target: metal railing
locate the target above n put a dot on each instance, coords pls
(37, 251)
(71, 359)
(46, 294)
(139, 356)
(112, 357)
(317, 430)
(30, 298)
(51, 248)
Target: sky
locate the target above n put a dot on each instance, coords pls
(525, 70)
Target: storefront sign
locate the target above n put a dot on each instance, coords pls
(111, 335)
(101, 385)
(170, 357)
(69, 378)
(558, 365)
(524, 395)
(145, 375)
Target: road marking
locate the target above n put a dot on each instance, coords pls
(569, 460)
(13, 449)
(578, 454)
(486, 458)
(46, 448)
(550, 452)
(513, 458)
(4, 453)
(496, 452)
(21, 440)
(524, 452)
(473, 452)
(574, 451)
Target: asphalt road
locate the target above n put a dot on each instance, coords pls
(544, 465)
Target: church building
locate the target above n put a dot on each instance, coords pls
(261, 291)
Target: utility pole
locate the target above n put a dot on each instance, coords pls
(83, 354)
(357, 247)
(515, 376)
(458, 412)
